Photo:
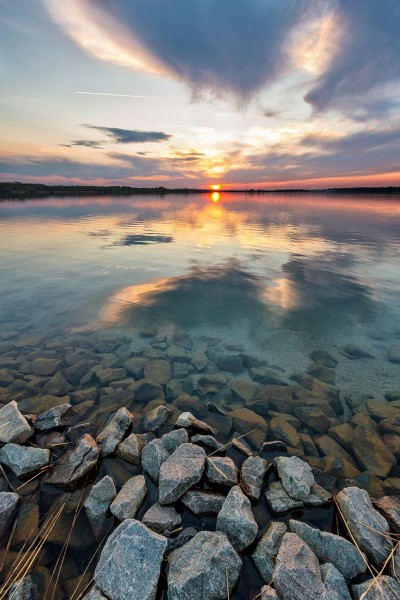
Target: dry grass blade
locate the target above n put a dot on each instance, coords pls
(228, 594)
(374, 582)
(390, 536)
(231, 442)
(215, 467)
(38, 474)
(8, 544)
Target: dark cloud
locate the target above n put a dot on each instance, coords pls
(87, 144)
(128, 136)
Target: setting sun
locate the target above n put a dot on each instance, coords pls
(216, 187)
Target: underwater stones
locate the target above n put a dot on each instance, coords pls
(23, 460)
(199, 360)
(368, 527)
(156, 418)
(180, 471)
(252, 476)
(265, 553)
(130, 563)
(46, 366)
(248, 422)
(14, 428)
(297, 574)
(314, 417)
(146, 389)
(221, 470)
(187, 420)
(75, 372)
(98, 502)
(342, 434)
(381, 588)
(178, 355)
(379, 410)
(282, 430)
(6, 377)
(371, 452)
(58, 416)
(340, 468)
(264, 376)
(330, 548)
(322, 373)
(296, 476)
(239, 444)
(355, 351)
(244, 390)
(158, 370)
(237, 520)
(230, 362)
(131, 448)
(8, 506)
(161, 518)
(75, 463)
(114, 431)
(57, 386)
(129, 499)
(157, 451)
(135, 366)
(203, 502)
(324, 358)
(394, 353)
(110, 374)
(205, 568)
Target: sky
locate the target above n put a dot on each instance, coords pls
(194, 93)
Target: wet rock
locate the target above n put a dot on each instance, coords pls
(221, 470)
(327, 446)
(317, 496)
(248, 422)
(324, 358)
(59, 416)
(6, 377)
(156, 452)
(146, 389)
(207, 440)
(110, 374)
(203, 502)
(24, 589)
(314, 417)
(239, 444)
(74, 433)
(131, 449)
(98, 502)
(207, 558)
(342, 434)
(75, 372)
(334, 583)
(265, 376)
(354, 351)
(180, 540)
(308, 445)
(394, 353)
(156, 418)
(161, 518)
(382, 588)
(158, 371)
(130, 498)
(8, 505)
(46, 366)
(330, 548)
(217, 380)
(393, 395)
(187, 420)
(296, 476)
(13, 425)
(391, 486)
(135, 366)
(297, 574)
(252, 476)
(114, 432)
(237, 520)
(279, 501)
(389, 507)
(379, 410)
(282, 430)
(199, 360)
(213, 408)
(371, 452)
(94, 594)
(367, 526)
(57, 386)
(268, 593)
(130, 563)
(267, 548)
(230, 362)
(75, 463)
(27, 525)
(340, 468)
(180, 471)
(322, 373)
(244, 390)
(23, 460)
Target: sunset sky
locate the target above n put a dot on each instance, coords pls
(241, 93)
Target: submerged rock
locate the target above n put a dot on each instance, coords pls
(203, 569)
(252, 476)
(161, 518)
(131, 448)
(371, 452)
(296, 476)
(264, 556)
(23, 460)
(114, 432)
(98, 502)
(156, 418)
(268, 593)
(14, 428)
(389, 507)
(130, 498)
(183, 469)
(130, 563)
(237, 520)
(187, 420)
(75, 463)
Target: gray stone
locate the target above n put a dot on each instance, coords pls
(157, 451)
(324, 358)
(131, 448)
(110, 374)
(296, 476)
(252, 476)
(330, 548)
(382, 588)
(75, 463)
(8, 506)
(216, 410)
(158, 370)
(57, 386)
(279, 501)
(297, 574)
(46, 366)
(334, 583)
(130, 498)
(13, 425)
(162, 518)
(203, 502)
(146, 389)
(237, 520)
(221, 470)
(317, 496)
(155, 418)
(180, 540)
(183, 469)
(367, 526)
(239, 444)
(203, 568)
(98, 502)
(94, 594)
(24, 589)
(59, 416)
(199, 360)
(130, 563)
(114, 432)
(23, 460)
(207, 440)
(187, 420)
(268, 593)
(267, 548)
(389, 507)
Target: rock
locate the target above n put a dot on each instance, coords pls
(161, 518)
(74, 433)
(146, 389)
(27, 525)
(130, 563)
(24, 589)
(354, 351)
(372, 454)
(239, 444)
(110, 374)
(248, 422)
(314, 417)
(75, 372)
(114, 432)
(203, 502)
(57, 386)
(282, 430)
(244, 390)
(217, 380)
(94, 594)
(6, 377)
(187, 420)
(230, 362)
(207, 440)
(221, 470)
(279, 501)
(394, 353)
(297, 574)
(267, 548)
(296, 476)
(391, 486)
(156, 418)
(23, 460)
(180, 471)
(59, 416)
(342, 434)
(393, 395)
(367, 526)
(252, 476)
(130, 498)
(180, 540)
(156, 452)
(334, 583)
(381, 410)
(8, 506)
(268, 593)
(199, 360)
(131, 449)
(324, 358)
(382, 588)
(75, 463)
(13, 425)
(46, 366)
(135, 366)
(318, 496)
(330, 548)
(389, 507)
(308, 445)
(203, 569)
(237, 520)
(98, 502)
(158, 370)
(322, 373)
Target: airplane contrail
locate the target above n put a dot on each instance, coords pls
(117, 95)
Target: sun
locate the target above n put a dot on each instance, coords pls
(215, 187)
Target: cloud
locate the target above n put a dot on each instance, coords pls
(129, 136)
(86, 143)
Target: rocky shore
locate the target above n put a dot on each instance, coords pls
(190, 469)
